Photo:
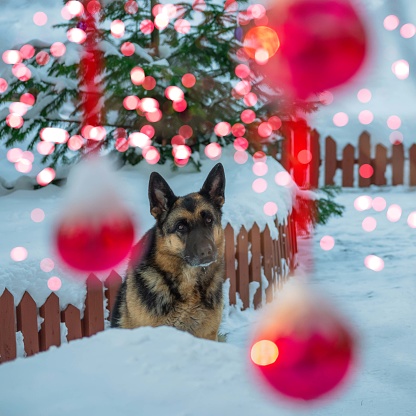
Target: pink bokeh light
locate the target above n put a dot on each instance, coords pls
(327, 242)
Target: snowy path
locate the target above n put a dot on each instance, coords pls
(160, 372)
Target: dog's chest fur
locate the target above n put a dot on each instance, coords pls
(190, 301)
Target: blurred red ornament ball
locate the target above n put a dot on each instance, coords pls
(323, 43)
(92, 245)
(303, 349)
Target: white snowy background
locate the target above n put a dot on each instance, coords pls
(161, 371)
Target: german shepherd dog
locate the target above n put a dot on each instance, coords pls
(178, 279)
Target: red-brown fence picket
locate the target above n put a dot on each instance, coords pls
(324, 163)
(248, 255)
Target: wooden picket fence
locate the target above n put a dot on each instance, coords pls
(275, 258)
(394, 166)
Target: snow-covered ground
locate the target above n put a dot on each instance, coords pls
(162, 371)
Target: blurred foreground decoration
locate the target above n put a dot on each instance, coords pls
(309, 46)
(95, 231)
(302, 347)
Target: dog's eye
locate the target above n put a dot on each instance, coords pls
(181, 227)
(208, 220)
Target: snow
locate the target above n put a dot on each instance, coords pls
(161, 371)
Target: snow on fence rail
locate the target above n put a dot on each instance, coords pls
(394, 166)
(247, 257)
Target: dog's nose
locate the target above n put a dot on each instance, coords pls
(204, 250)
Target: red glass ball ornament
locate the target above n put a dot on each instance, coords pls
(89, 245)
(323, 43)
(302, 348)
(94, 231)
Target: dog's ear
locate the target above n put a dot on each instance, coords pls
(214, 185)
(161, 196)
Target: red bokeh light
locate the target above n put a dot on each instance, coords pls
(149, 83)
(213, 151)
(13, 155)
(177, 140)
(366, 171)
(161, 21)
(147, 27)
(75, 143)
(275, 122)
(188, 80)
(117, 28)
(11, 57)
(250, 99)
(186, 131)
(15, 121)
(42, 58)
(93, 7)
(45, 148)
(131, 7)
(148, 130)
(238, 130)
(76, 35)
(242, 71)
(131, 102)
(179, 106)
(154, 116)
(18, 108)
(264, 129)
(174, 93)
(45, 176)
(151, 155)
(121, 144)
(27, 51)
(127, 49)
(240, 144)
(137, 75)
(137, 139)
(54, 135)
(182, 26)
(222, 129)
(248, 116)
(74, 8)
(58, 49)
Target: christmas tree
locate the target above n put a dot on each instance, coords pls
(175, 79)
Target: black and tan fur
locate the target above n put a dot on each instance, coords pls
(178, 279)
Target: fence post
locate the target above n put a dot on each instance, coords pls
(397, 163)
(380, 164)
(230, 262)
(72, 318)
(112, 285)
(7, 327)
(315, 163)
(27, 323)
(50, 330)
(364, 157)
(266, 248)
(348, 160)
(412, 162)
(255, 263)
(330, 160)
(93, 321)
(242, 267)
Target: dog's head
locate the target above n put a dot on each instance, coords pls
(190, 226)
